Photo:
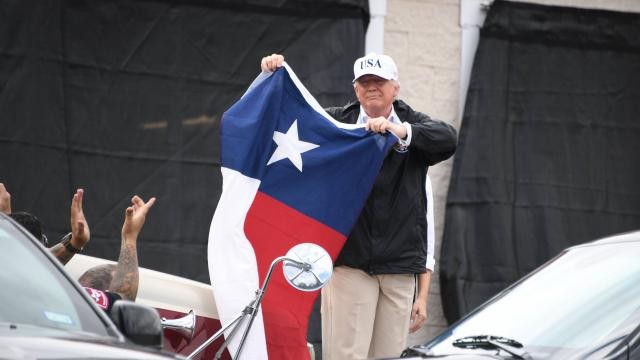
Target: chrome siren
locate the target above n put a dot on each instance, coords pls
(185, 325)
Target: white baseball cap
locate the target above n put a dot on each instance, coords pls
(374, 64)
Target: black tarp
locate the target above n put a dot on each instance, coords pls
(125, 97)
(549, 148)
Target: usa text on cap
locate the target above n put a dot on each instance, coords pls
(375, 64)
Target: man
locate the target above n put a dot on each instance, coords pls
(371, 302)
(108, 283)
(32, 224)
(98, 277)
(27, 220)
(71, 244)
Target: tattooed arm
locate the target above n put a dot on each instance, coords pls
(126, 277)
(80, 233)
(61, 253)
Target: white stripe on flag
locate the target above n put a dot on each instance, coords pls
(232, 261)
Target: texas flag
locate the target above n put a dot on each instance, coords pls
(291, 174)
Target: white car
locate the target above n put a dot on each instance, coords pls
(188, 307)
(583, 304)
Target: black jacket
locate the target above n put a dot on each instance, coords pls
(390, 235)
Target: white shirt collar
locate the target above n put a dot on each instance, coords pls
(363, 117)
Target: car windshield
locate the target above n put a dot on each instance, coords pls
(37, 299)
(579, 303)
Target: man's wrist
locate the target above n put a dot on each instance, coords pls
(130, 238)
(66, 242)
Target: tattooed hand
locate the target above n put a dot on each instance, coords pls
(126, 277)
(135, 216)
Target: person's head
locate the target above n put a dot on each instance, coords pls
(32, 224)
(98, 277)
(375, 82)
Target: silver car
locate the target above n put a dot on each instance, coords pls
(583, 304)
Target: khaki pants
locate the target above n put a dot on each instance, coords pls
(365, 316)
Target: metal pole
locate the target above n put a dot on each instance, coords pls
(214, 337)
(250, 310)
(260, 295)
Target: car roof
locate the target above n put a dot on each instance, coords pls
(628, 237)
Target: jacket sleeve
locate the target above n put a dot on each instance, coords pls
(333, 111)
(436, 139)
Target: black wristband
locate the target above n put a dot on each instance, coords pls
(66, 241)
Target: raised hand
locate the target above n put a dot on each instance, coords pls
(126, 276)
(271, 62)
(80, 233)
(135, 216)
(5, 200)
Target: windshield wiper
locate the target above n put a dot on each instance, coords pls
(489, 342)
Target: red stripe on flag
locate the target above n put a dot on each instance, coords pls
(273, 228)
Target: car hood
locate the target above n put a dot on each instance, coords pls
(15, 348)
(459, 357)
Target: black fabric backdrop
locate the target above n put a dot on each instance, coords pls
(125, 97)
(549, 147)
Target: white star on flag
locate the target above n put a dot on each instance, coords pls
(290, 147)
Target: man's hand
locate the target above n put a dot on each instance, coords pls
(419, 310)
(126, 276)
(5, 200)
(271, 63)
(79, 230)
(80, 233)
(418, 315)
(135, 216)
(382, 125)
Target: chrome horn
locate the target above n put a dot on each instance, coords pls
(185, 325)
